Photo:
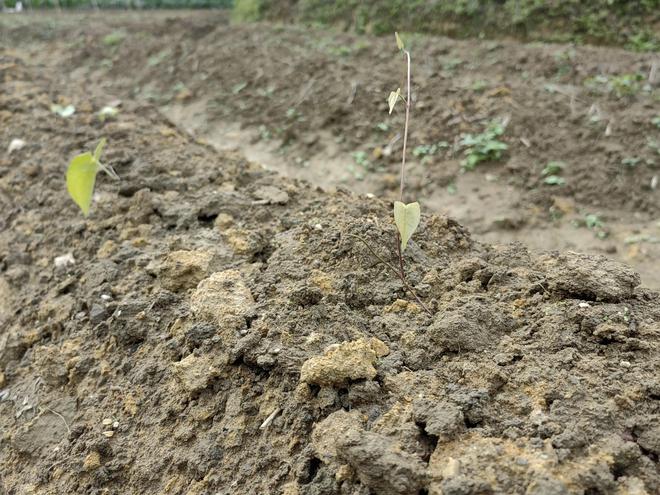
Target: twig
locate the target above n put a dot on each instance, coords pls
(60, 416)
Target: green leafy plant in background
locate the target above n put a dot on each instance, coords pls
(406, 216)
(483, 147)
(552, 173)
(81, 176)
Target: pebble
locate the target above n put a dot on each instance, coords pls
(64, 260)
(108, 433)
(15, 145)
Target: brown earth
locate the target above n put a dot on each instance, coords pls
(224, 330)
(312, 104)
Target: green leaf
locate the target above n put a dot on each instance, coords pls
(80, 179)
(406, 218)
(399, 43)
(393, 98)
(553, 168)
(554, 180)
(99, 149)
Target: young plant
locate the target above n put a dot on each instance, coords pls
(406, 216)
(81, 176)
(483, 147)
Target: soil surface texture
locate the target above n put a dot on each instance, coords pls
(215, 327)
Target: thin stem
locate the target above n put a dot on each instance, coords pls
(405, 129)
(398, 273)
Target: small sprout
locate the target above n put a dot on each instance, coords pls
(237, 88)
(554, 180)
(483, 147)
(65, 112)
(631, 161)
(107, 113)
(553, 168)
(407, 219)
(393, 98)
(81, 176)
(593, 221)
(114, 38)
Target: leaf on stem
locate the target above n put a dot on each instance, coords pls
(406, 218)
(80, 179)
(81, 176)
(393, 98)
(399, 43)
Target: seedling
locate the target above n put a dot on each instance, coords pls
(107, 113)
(406, 216)
(483, 147)
(551, 173)
(81, 176)
(656, 121)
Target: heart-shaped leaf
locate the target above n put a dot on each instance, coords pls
(393, 98)
(80, 179)
(406, 218)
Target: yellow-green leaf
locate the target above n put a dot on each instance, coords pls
(393, 98)
(399, 43)
(406, 218)
(80, 179)
(99, 149)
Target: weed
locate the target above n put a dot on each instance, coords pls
(479, 86)
(483, 147)
(595, 223)
(553, 168)
(383, 127)
(656, 121)
(631, 161)
(107, 113)
(237, 88)
(113, 39)
(643, 42)
(621, 85)
(425, 151)
(554, 180)
(155, 60)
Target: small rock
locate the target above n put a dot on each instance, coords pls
(184, 269)
(108, 433)
(441, 419)
(97, 314)
(65, 260)
(348, 361)
(15, 145)
(92, 461)
(271, 195)
(223, 298)
(589, 276)
(195, 373)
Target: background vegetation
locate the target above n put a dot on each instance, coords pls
(633, 24)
